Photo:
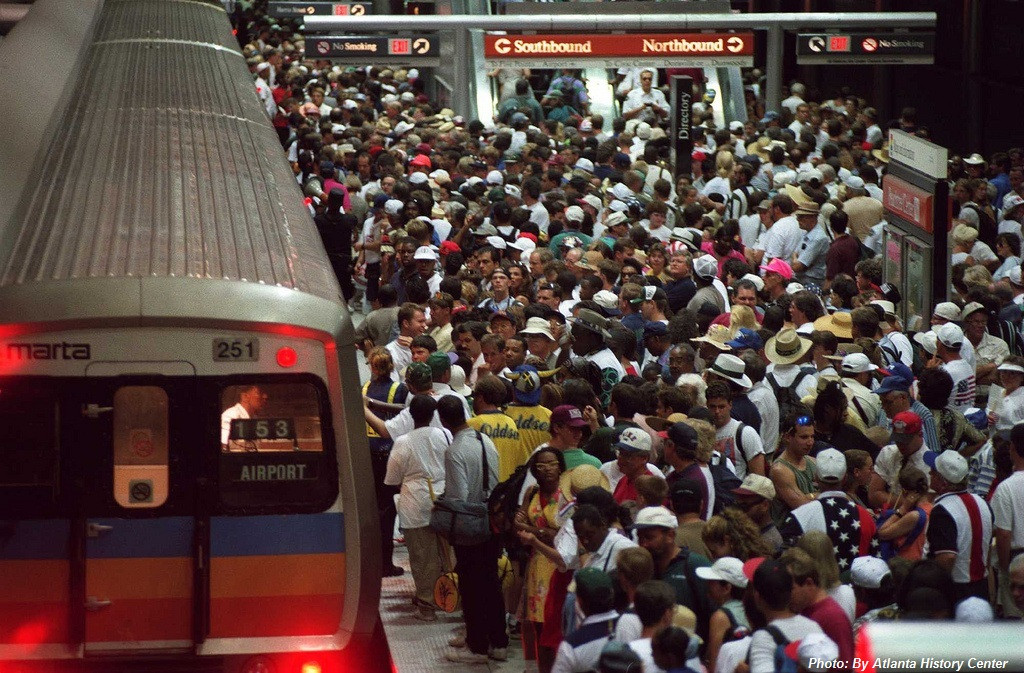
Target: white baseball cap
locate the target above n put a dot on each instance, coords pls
(947, 310)
(868, 572)
(727, 569)
(425, 252)
(634, 440)
(857, 363)
(949, 335)
(705, 266)
(831, 465)
(495, 178)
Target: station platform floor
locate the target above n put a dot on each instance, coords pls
(420, 647)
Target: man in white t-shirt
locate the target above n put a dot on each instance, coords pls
(736, 441)
(773, 587)
(412, 322)
(949, 339)
(250, 401)
(784, 235)
(906, 448)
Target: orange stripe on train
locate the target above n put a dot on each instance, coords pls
(289, 575)
(266, 616)
(139, 578)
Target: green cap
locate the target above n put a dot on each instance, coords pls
(495, 195)
(418, 374)
(439, 363)
(591, 583)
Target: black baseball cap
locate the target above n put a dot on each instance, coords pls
(682, 435)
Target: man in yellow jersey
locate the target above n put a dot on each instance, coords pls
(532, 419)
(488, 396)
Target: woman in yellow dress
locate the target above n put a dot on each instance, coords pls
(537, 520)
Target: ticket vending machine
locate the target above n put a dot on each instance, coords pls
(916, 253)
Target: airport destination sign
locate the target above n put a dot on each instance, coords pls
(880, 48)
(419, 50)
(620, 50)
(288, 10)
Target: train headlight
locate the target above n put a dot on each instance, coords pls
(310, 667)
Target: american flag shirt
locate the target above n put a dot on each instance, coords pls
(850, 526)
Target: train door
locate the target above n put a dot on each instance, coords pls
(134, 447)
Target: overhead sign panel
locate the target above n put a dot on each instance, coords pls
(625, 50)
(419, 50)
(286, 10)
(865, 48)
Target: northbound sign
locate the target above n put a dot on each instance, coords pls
(865, 48)
(287, 10)
(636, 49)
(419, 50)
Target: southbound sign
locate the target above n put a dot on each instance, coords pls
(636, 50)
(413, 49)
(865, 48)
(290, 10)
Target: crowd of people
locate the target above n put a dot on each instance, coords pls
(722, 448)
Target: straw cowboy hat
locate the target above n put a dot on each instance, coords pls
(575, 480)
(718, 336)
(786, 347)
(839, 323)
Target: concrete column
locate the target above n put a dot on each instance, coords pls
(773, 67)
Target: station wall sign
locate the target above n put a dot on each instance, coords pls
(878, 48)
(418, 50)
(621, 50)
(294, 10)
(909, 203)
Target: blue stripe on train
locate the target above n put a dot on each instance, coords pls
(275, 535)
(29, 540)
(165, 537)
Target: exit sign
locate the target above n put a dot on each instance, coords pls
(839, 43)
(399, 46)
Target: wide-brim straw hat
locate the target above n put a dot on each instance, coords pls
(839, 323)
(786, 347)
(582, 477)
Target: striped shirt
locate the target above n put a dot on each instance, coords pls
(961, 523)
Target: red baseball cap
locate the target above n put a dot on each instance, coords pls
(420, 160)
(448, 247)
(750, 567)
(905, 425)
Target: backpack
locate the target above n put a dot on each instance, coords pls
(783, 664)
(787, 397)
(736, 631)
(890, 548)
(725, 481)
(865, 251)
(502, 505)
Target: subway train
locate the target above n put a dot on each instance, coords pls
(184, 479)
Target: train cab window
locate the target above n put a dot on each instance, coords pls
(272, 446)
(140, 446)
(29, 450)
